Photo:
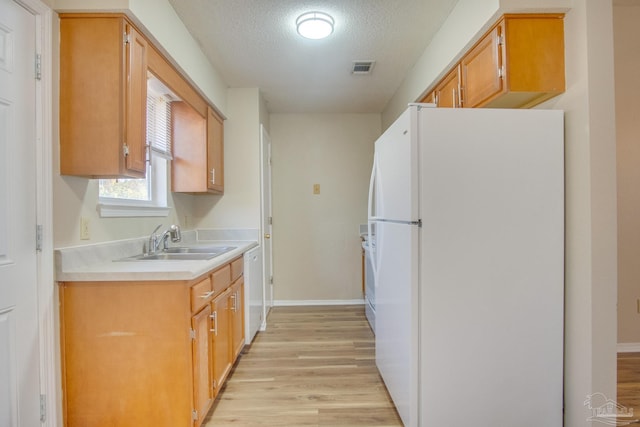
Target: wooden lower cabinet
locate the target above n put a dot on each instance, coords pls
(237, 314)
(147, 353)
(201, 352)
(220, 341)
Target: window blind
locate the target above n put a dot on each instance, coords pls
(159, 124)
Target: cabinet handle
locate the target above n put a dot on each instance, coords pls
(207, 295)
(453, 97)
(213, 176)
(234, 297)
(214, 317)
(460, 89)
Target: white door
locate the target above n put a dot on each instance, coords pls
(19, 352)
(267, 239)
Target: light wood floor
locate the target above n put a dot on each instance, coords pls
(629, 381)
(313, 366)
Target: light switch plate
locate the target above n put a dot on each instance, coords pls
(84, 228)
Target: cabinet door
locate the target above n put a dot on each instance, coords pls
(429, 98)
(482, 69)
(188, 168)
(215, 152)
(236, 300)
(136, 102)
(448, 90)
(202, 390)
(103, 86)
(221, 340)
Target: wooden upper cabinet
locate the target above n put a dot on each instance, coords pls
(198, 151)
(447, 92)
(103, 91)
(136, 101)
(482, 69)
(215, 152)
(189, 134)
(429, 98)
(517, 64)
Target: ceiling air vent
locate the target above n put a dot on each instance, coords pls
(362, 67)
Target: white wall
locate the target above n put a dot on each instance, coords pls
(239, 207)
(627, 62)
(590, 284)
(591, 266)
(317, 252)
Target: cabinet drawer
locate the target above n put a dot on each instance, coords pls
(201, 293)
(221, 278)
(237, 268)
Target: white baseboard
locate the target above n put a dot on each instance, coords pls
(283, 303)
(629, 347)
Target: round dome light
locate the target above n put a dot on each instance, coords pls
(315, 25)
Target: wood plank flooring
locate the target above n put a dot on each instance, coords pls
(629, 382)
(313, 366)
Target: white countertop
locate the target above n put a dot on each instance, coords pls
(95, 263)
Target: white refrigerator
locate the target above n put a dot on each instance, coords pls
(468, 210)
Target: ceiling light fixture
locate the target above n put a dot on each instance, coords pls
(315, 25)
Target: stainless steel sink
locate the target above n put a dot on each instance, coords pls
(200, 250)
(195, 253)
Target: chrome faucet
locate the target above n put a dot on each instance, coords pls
(154, 240)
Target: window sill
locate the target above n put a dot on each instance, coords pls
(108, 210)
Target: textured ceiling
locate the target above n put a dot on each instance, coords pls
(253, 43)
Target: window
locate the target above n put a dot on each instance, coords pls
(145, 197)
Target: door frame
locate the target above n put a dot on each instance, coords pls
(267, 286)
(49, 380)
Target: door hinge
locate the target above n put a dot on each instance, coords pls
(125, 149)
(192, 333)
(39, 238)
(500, 40)
(270, 220)
(271, 280)
(500, 72)
(194, 415)
(126, 38)
(43, 408)
(38, 66)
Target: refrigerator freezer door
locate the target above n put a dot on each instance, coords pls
(397, 314)
(395, 171)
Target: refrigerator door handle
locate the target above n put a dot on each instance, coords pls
(372, 181)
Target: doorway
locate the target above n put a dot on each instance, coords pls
(27, 348)
(266, 218)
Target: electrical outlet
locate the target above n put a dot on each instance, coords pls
(84, 228)
(316, 188)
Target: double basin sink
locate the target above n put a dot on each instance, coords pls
(184, 253)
